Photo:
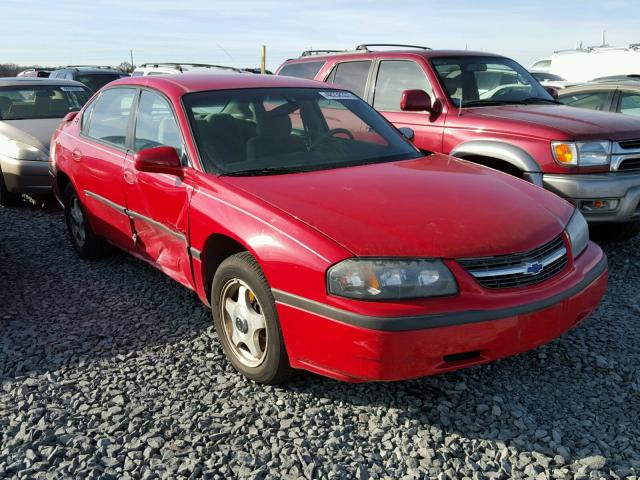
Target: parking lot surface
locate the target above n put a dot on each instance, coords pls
(109, 369)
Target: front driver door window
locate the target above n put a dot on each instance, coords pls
(629, 103)
(158, 203)
(395, 76)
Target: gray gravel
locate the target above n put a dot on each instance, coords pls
(108, 369)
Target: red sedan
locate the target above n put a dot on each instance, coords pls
(321, 238)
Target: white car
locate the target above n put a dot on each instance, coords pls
(168, 68)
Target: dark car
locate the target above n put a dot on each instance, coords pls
(614, 94)
(94, 77)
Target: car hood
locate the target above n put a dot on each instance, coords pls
(434, 206)
(36, 132)
(577, 122)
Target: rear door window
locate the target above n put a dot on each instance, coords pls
(301, 70)
(630, 103)
(110, 117)
(395, 76)
(351, 76)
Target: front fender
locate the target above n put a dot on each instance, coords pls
(506, 152)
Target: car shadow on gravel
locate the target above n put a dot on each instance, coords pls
(59, 311)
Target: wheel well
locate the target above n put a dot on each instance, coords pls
(63, 180)
(216, 249)
(496, 164)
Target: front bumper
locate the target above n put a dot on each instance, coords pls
(356, 348)
(624, 187)
(26, 176)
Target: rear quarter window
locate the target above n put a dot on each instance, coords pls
(301, 70)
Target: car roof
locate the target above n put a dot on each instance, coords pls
(197, 82)
(90, 70)
(364, 54)
(20, 81)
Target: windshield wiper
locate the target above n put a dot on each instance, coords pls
(529, 100)
(255, 172)
(471, 103)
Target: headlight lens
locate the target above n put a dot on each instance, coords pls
(585, 154)
(387, 279)
(20, 151)
(578, 233)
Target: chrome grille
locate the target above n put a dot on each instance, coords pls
(515, 270)
(629, 164)
(625, 156)
(629, 144)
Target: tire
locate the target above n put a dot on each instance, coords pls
(7, 198)
(240, 295)
(615, 231)
(86, 243)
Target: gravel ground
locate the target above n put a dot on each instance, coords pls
(108, 369)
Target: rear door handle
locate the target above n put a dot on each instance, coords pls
(76, 155)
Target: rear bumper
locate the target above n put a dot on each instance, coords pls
(356, 348)
(625, 187)
(26, 176)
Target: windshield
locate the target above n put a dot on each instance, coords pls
(478, 81)
(95, 81)
(41, 101)
(547, 77)
(283, 130)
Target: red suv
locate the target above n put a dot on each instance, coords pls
(321, 238)
(488, 109)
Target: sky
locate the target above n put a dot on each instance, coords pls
(64, 32)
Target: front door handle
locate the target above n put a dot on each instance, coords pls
(129, 176)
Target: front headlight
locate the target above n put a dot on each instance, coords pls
(578, 232)
(584, 154)
(20, 151)
(389, 279)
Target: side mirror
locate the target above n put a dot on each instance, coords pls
(70, 116)
(159, 160)
(407, 132)
(415, 101)
(552, 91)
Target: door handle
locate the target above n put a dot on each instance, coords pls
(129, 176)
(76, 155)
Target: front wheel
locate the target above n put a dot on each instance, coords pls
(246, 320)
(7, 198)
(615, 231)
(84, 241)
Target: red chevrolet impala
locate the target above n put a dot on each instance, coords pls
(321, 238)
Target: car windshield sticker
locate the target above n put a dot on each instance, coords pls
(72, 89)
(338, 95)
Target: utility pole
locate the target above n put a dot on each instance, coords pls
(131, 54)
(263, 60)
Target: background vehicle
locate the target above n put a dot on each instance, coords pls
(581, 65)
(168, 68)
(618, 94)
(94, 77)
(321, 238)
(34, 72)
(547, 79)
(488, 109)
(30, 110)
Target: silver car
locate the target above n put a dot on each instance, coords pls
(30, 111)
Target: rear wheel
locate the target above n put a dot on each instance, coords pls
(246, 320)
(84, 241)
(7, 198)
